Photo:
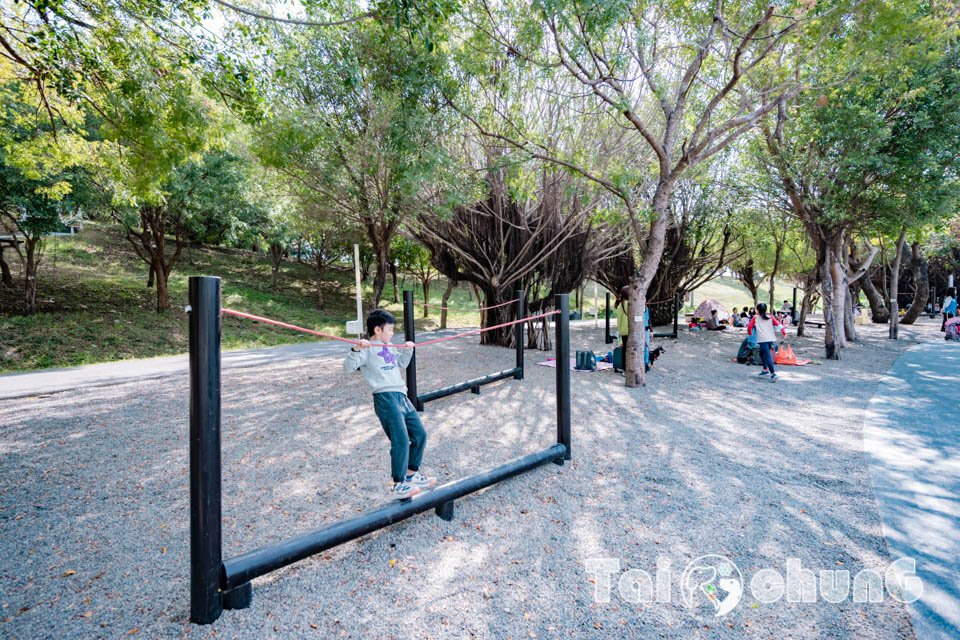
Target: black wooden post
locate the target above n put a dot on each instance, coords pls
(205, 516)
(793, 311)
(676, 315)
(607, 337)
(563, 372)
(519, 328)
(410, 335)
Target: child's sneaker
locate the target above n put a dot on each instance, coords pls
(773, 378)
(420, 481)
(403, 491)
(763, 373)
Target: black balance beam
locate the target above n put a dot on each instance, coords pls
(676, 327)
(420, 399)
(474, 385)
(245, 567)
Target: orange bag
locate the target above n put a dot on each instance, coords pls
(785, 355)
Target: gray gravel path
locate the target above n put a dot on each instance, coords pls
(707, 459)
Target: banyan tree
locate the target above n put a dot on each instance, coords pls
(541, 245)
(696, 247)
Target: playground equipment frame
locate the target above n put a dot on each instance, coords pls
(217, 584)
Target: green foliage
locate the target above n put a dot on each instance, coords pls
(43, 179)
(214, 196)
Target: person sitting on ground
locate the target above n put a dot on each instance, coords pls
(713, 324)
(744, 315)
(736, 320)
(785, 307)
(380, 365)
(753, 312)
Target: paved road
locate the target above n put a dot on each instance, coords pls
(912, 434)
(19, 385)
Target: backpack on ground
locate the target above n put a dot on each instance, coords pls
(586, 361)
(748, 354)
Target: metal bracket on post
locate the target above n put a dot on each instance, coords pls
(239, 597)
(206, 558)
(444, 511)
(563, 372)
(520, 327)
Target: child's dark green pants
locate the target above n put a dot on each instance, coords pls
(403, 427)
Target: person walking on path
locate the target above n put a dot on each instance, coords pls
(949, 307)
(380, 365)
(766, 328)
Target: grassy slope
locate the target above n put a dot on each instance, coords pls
(94, 306)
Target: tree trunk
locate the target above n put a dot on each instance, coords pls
(32, 245)
(633, 358)
(848, 325)
(426, 297)
(804, 310)
(380, 274)
(895, 287)
(5, 276)
(505, 336)
(831, 344)
(276, 255)
(921, 283)
(443, 303)
(773, 276)
(878, 309)
(745, 274)
(163, 293)
(838, 275)
(320, 269)
(150, 278)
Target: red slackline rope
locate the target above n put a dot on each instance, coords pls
(277, 323)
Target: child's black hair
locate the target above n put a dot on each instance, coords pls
(378, 318)
(762, 310)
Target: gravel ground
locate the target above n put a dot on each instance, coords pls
(94, 510)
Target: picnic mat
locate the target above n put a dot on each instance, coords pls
(551, 362)
(799, 363)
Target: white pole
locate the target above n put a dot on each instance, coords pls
(950, 280)
(356, 264)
